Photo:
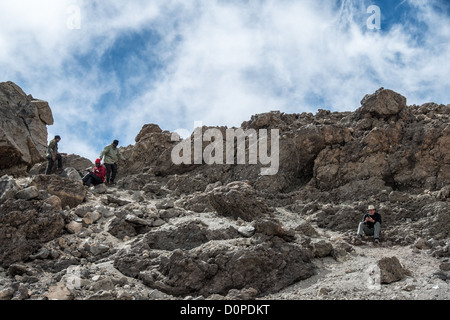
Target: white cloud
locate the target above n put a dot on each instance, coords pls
(219, 61)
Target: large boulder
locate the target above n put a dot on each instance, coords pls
(391, 270)
(382, 103)
(151, 153)
(71, 193)
(217, 267)
(238, 200)
(80, 164)
(23, 129)
(24, 227)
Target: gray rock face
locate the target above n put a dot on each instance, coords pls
(238, 200)
(80, 164)
(71, 193)
(28, 193)
(227, 232)
(383, 103)
(23, 129)
(24, 227)
(213, 268)
(383, 145)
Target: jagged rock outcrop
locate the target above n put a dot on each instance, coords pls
(24, 227)
(394, 147)
(218, 267)
(383, 146)
(80, 164)
(152, 153)
(71, 193)
(225, 231)
(23, 129)
(238, 200)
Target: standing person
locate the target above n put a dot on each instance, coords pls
(96, 176)
(53, 155)
(112, 155)
(371, 224)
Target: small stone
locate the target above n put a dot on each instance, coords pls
(28, 193)
(100, 188)
(7, 293)
(42, 254)
(158, 223)
(74, 227)
(246, 231)
(97, 249)
(91, 217)
(165, 204)
(409, 287)
(421, 244)
(59, 292)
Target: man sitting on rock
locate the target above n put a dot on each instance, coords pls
(96, 176)
(371, 224)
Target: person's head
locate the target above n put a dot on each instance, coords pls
(98, 162)
(115, 143)
(58, 138)
(371, 209)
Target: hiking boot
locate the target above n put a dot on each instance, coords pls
(377, 240)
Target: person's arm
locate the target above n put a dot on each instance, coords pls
(51, 148)
(378, 218)
(368, 219)
(102, 154)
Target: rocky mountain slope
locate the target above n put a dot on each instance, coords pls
(224, 231)
(23, 129)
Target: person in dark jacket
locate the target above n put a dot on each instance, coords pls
(96, 176)
(371, 224)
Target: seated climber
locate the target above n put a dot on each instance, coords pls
(371, 224)
(96, 176)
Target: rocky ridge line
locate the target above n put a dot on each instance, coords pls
(226, 232)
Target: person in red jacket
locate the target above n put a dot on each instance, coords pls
(96, 176)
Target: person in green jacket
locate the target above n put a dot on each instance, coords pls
(53, 155)
(111, 156)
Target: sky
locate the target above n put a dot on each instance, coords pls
(108, 67)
